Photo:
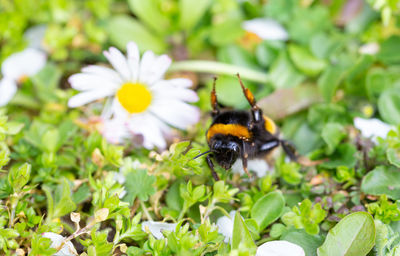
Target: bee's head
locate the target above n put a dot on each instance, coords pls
(225, 152)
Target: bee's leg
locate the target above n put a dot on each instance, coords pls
(214, 100)
(289, 149)
(255, 110)
(244, 156)
(211, 166)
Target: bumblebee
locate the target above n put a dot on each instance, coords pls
(237, 134)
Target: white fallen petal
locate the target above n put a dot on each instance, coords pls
(259, 166)
(67, 250)
(280, 248)
(266, 29)
(372, 128)
(370, 48)
(25, 63)
(8, 88)
(155, 227)
(225, 226)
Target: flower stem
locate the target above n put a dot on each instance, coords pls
(145, 211)
(220, 69)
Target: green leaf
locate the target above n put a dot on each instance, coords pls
(333, 134)
(389, 106)
(329, 81)
(354, 235)
(241, 234)
(308, 242)
(305, 61)
(393, 157)
(190, 16)
(267, 209)
(50, 140)
(382, 180)
(65, 205)
(283, 74)
(139, 184)
(389, 50)
(226, 32)
(123, 29)
(345, 155)
(149, 12)
(14, 127)
(18, 176)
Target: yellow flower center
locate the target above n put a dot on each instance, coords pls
(134, 97)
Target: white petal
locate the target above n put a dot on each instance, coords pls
(88, 96)
(133, 60)
(150, 128)
(157, 70)
(104, 72)
(67, 250)
(259, 166)
(119, 62)
(176, 113)
(181, 82)
(267, 29)
(35, 35)
(8, 88)
(25, 63)
(225, 226)
(165, 90)
(146, 65)
(372, 127)
(155, 227)
(85, 82)
(280, 248)
(115, 130)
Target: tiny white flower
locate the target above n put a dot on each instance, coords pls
(146, 103)
(259, 166)
(225, 226)
(155, 227)
(8, 88)
(266, 29)
(372, 127)
(35, 35)
(23, 64)
(280, 248)
(67, 250)
(369, 48)
(19, 66)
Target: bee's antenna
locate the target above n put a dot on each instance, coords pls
(214, 100)
(201, 154)
(247, 93)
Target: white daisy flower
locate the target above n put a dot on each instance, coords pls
(259, 166)
(145, 102)
(266, 29)
(155, 228)
(280, 248)
(372, 128)
(67, 250)
(18, 67)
